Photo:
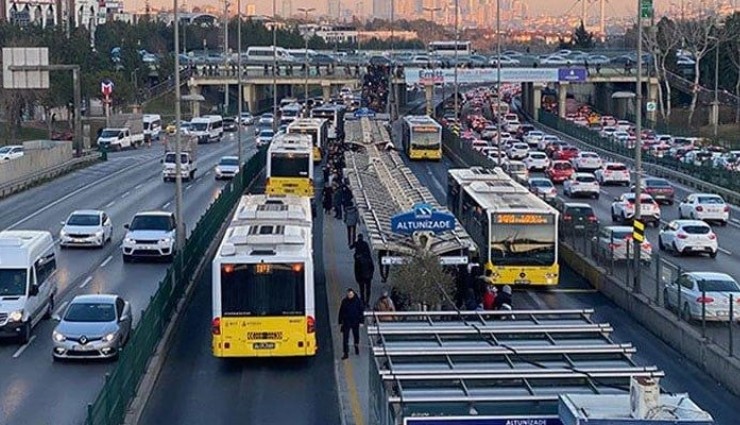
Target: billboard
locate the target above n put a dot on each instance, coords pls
(490, 75)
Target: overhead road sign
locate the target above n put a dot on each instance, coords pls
(572, 75)
(490, 75)
(422, 218)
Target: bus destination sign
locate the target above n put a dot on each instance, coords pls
(523, 219)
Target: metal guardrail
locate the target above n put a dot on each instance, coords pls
(122, 383)
(706, 95)
(17, 185)
(708, 179)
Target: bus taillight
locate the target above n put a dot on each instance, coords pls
(216, 326)
(310, 325)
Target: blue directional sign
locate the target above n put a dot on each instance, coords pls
(364, 113)
(473, 420)
(422, 218)
(573, 75)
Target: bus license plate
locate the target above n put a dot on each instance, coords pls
(263, 345)
(522, 282)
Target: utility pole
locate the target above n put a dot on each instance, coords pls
(305, 60)
(180, 236)
(457, 65)
(638, 140)
(226, 54)
(392, 95)
(240, 95)
(274, 69)
(499, 127)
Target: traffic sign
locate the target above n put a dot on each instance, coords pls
(646, 8)
(651, 106)
(638, 231)
(106, 87)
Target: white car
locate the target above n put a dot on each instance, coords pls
(612, 244)
(621, 136)
(227, 168)
(518, 151)
(705, 206)
(479, 145)
(493, 154)
(86, 228)
(607, 132)
(543, 188)
(581, 184)
(624, 125)
(151, 234)
(511, 123)
(548, 138)
(623, 209)
(586, 161)
(533, 138)
(702, 291)
(688, 237)
(10, 152)
(265, 137)
(614, 173)
(536, 161)
(266, 119)
(517, 170)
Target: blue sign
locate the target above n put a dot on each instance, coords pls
(478, 420)
(573, 75)
(422, 218)
(364, 113)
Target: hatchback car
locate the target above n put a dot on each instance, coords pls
(660, 189)
(577, 216)
(229, 125)
(559, 171)
(623, 209)
(536, 161)
(86, 228)
(10, 152)
(705, 206)
(615, 243)
(613, 173)
(92, 327)
(227, 168)
(688, 237)
(566, 153)
(265, 137)
(518, 151)
(694, 291)
(587, 161)
(581, 184)
(543, 188)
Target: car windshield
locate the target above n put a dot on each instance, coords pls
(170, 158)
(151, 222)
(6, 149)
(586, 179)
(710, 200)
(657, 183)
(13, 282)
(90, 312)
(266, 133)
(718, 285)
(621, 234)
(84, 220)
(541, 183)
(696, 230)
(109, 133)
(579, 211)
(229, 161)
(199, 126)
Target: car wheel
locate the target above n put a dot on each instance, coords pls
(680, 213)
(656, 223)
(713, 254)
(127, 258)
(623, 218)
(615, 218)
(723, 223)
(596, 196)
(25, 334)
(670, 203)
(676, 250)
(686, 312)
(660, 244)
(49, 309)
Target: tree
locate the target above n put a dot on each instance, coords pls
(732, 28)
(582, 39)
(661, 41)
(423, 279)
(697, 36)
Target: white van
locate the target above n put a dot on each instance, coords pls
(152, 127)
(28, 282)
(208, 128)
(266, 54)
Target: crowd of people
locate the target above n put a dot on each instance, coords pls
(375, 87)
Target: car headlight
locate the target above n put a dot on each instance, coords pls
(16, 316)
(99, 234)
(58, 337)
(129, 240)
(165, 240)
(63, 234)
(110, 337)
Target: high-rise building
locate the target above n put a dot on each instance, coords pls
(332, 9)
(286, 8)
(251, 9)
(382, 9)
(405, 8)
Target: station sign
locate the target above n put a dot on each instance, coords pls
(490, 75)
(422, 218)
(364, 113)
(482, 420)
(572, 75)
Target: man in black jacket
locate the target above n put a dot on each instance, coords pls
(350, 317)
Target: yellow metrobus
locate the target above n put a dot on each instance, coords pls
(516, 231)
(335, 116)
(290, 165)
(317, 128)
(422, 137)
(263, 281)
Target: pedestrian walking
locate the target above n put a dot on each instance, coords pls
(337, 199)
(326, 200)
(351, 217)
(384, 305)
(364, 267)
(350, 318)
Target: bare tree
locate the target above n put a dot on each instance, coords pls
(698, 38)
(423, 279)
(732, 29)
(661, 40)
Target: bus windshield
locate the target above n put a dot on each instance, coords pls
(523, 244)
(311, 132)
(263, 289)
(289, 165)
(425, 140)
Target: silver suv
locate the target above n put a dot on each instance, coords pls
(151, 234)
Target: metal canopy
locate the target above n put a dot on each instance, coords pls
(445, 363)
(383, 187)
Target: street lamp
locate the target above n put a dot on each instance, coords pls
(240, 95)
(498, 80)
(457, 42)
(391, 86)
(180, 236)
(638, 146)
(305, 59)
(274, 68)
(715, 103)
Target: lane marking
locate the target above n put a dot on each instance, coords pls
(23, 347)
(166, 205)
(724, 251)
(61, 308)
(109, 204)
(138, 185)
(106, 261)
(87, 280)
(125, 194)
(188, 187)
(734, 220)
(574, 290)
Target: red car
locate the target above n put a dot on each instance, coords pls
(566, 153)
(553, 147)
(559, 171)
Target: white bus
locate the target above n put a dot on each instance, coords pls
(447, 48)
(335, 116)
(152, 126)
(317, 128)
(422, 137)
(290, 113)
(266, 54)
(208, 128)
(290, 165)
(263, 280)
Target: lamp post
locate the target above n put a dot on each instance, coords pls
(392, 87)
(180, 230)
(305, 60)
(715, 103)
(274, 68)
(240, 95)
(226, 55)
(498, 81)
(457, 42)
(638, 146)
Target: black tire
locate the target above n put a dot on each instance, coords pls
(50, 309)
(25, 334)
(686, 313)
(723, 223)
(656, 223)
(127, 258)
(660, 244)
(713, 254)
(675, 249)
(615, 218)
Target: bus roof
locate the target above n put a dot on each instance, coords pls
(306, 123)
(291, 143)
(414, 120)
(496, 191)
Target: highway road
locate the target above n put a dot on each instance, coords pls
(574, 292)
(36, 389)
(195, 388)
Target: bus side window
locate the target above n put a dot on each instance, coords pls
(45, 267)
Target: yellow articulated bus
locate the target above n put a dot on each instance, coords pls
(517, 232)
(263, 281)
(317, 128)
(422, 137)
(290, 165)
(334, 114)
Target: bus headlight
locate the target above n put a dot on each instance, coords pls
(15, 316)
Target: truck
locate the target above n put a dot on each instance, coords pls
(124, 131)
(188, 158)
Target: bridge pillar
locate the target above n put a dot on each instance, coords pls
(194, 104)
(652, 97)
(536, 100)
(326, 91)
(562, 96)
(250, 97)
(429, 95)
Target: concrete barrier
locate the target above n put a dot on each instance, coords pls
(662, 323)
